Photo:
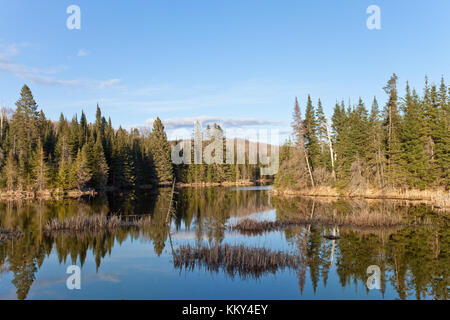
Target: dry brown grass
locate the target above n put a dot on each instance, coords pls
(240, 260)
(360, 219)
(439, 198)
(93, 223)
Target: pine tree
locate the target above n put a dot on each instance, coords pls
(99, 167)
(10, 171)
(83, 173)
(24, 133)
(375, 152)
(413, 153)
(299, 135)
(392, 123)
(161, 153)
(40, 169)
(311, 140)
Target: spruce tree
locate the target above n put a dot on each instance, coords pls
(311, 139)
(392, 123)
(40, 169)
(161, 153)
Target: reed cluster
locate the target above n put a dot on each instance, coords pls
(93, 223)
(362, 219)
(240, 260)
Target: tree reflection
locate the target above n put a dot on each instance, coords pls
(413, 260)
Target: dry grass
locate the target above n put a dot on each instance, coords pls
(438, 198)
(360, 219)
(93, 223)
(234, 260)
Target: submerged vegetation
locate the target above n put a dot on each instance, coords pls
(401, 151)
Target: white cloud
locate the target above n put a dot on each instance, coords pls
(82, 53)
(41, 76)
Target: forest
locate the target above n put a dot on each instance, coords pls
(37, 154)
(404, 145)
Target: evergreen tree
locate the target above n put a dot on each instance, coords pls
(40, 169)
(24, 134)
(161, 153)
(83, 173)
(392, 123)
(311, 140)
(414, 159)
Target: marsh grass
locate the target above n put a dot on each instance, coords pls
(439, 198)
(241, 260)
(361, 219)
(94, 223)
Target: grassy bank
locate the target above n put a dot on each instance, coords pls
(440, 199)
(44, 194)
(242, 183)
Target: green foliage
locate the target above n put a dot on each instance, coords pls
(161, 153)
(407, 145)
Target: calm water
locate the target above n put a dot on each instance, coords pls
(133, 263)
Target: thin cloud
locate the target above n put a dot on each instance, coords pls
(188, 122)
(109, 83)
(82, 53)
(40, 76)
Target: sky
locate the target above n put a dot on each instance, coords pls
(237, 62)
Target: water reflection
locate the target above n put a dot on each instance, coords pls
(413, 260)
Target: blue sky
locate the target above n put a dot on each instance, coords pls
(240, 61)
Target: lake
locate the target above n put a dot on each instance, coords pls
(138, 262)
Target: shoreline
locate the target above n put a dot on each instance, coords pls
(44, 194)
(241, 183)
(438, 199)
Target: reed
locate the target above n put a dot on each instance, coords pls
(362, 219)
(240, 260)
(93, 223)
(438, 198)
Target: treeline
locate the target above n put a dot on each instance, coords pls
(37, 154)
(404, 145)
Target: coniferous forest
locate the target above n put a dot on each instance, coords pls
(38, 154)
(402, 145)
